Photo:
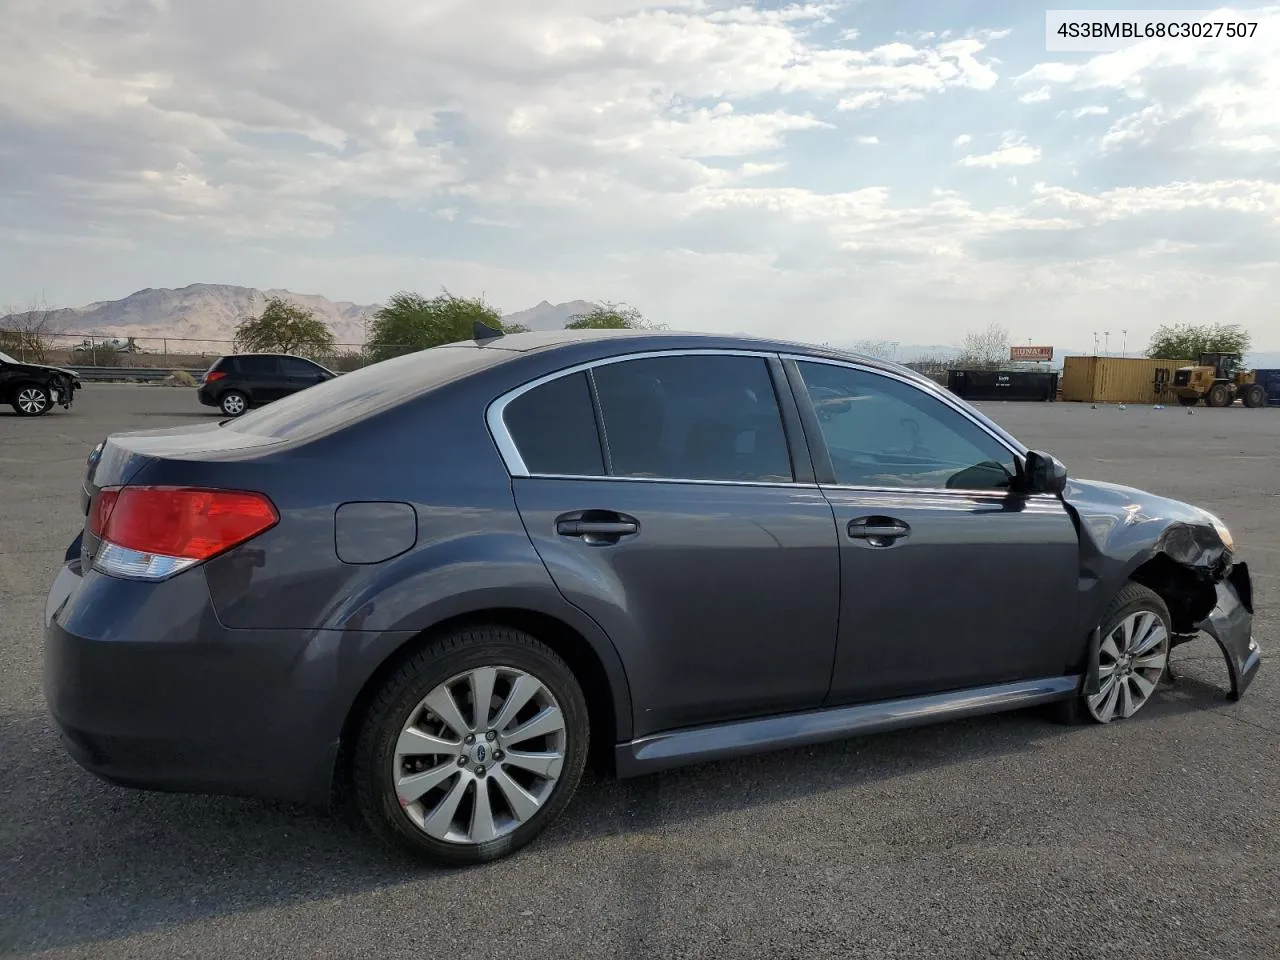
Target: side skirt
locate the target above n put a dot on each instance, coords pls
(663, 751)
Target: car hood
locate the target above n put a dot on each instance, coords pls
(45, 368)
(1116, 517)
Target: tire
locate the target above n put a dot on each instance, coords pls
(1145, 609)
(233, 403)
(1188, 401)
(31, 400)
(1218, 396)
(443, 824)
(1255, 396)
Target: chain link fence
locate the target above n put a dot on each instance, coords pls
(167, 353)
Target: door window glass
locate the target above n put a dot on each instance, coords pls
(882, 432)
(554, 428)
(257, 365)
(297, 367)
(693, 418)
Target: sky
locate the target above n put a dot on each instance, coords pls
(883, 169)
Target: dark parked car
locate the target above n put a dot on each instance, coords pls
(33, 389)
(239, 382)
(441, 580)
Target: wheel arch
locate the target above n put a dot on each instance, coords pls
(1189, 594)
(608, 698)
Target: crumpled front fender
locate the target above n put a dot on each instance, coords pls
(1231, 624)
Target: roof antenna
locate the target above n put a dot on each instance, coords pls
(482, 331)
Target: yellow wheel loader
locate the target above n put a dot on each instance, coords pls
(1219, 381)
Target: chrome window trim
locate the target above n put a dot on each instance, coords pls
(944, 397)
(516, 467)
(494, 415)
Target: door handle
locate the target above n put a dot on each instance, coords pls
(879, 531)
(597, 526)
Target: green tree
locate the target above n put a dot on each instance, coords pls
(411, 322)
(1186, 341)
(285, 327)
(611, 316)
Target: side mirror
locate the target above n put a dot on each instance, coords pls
(1045, 473)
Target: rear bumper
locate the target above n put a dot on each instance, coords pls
(206, 397)
(151, 691)
(1231, 624)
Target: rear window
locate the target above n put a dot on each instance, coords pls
(355, 395)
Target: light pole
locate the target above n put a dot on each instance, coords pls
(1124, 342)
(1095, 343)
(1106, 342)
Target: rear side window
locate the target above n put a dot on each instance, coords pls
(554, 428)
(693, 418)
(257, 365)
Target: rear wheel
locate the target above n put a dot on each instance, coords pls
(472, 747)
(233, 403)
(31, 400)
(1219, 395)
(1255, 396)
(1188, 401)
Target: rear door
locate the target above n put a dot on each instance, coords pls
(661, 493)
(950, 577)
(262, 377)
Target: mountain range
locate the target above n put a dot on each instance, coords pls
(210, 312)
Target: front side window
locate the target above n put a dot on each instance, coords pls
(882, 432)
(693, 417)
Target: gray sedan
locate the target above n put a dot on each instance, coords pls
(440, 585)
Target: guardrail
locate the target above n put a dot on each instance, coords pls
(90, 374)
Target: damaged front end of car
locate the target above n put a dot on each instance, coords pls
(1183, 553)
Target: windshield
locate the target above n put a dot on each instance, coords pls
(5, 358)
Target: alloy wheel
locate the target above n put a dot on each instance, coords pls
(233, 404)
(480, 755)
(32, 400)
(1131, 661)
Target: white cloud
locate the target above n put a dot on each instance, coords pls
(678, 155)
(1014, 151)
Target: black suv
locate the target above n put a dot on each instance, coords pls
(32, 389)
(238, 382)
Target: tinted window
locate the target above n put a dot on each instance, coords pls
(255, 365)
(693, 418)
(554, 428)
(882, 432)
(296, 367)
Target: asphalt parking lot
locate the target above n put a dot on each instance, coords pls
(1005, 836)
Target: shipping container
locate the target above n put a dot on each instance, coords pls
(1270, 380)
(1119, 379)
(1003, 384)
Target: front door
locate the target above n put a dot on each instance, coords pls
(684, 534)
(950, 578)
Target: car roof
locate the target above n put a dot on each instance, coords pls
(538, 341)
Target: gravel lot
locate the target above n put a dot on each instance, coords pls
(1006, 836)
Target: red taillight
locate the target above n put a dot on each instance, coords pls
(179, 522)
(213, 375)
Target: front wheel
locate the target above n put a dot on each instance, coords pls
(472, 747)
(1219, 396)
(32, 400)
(1132, 658)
